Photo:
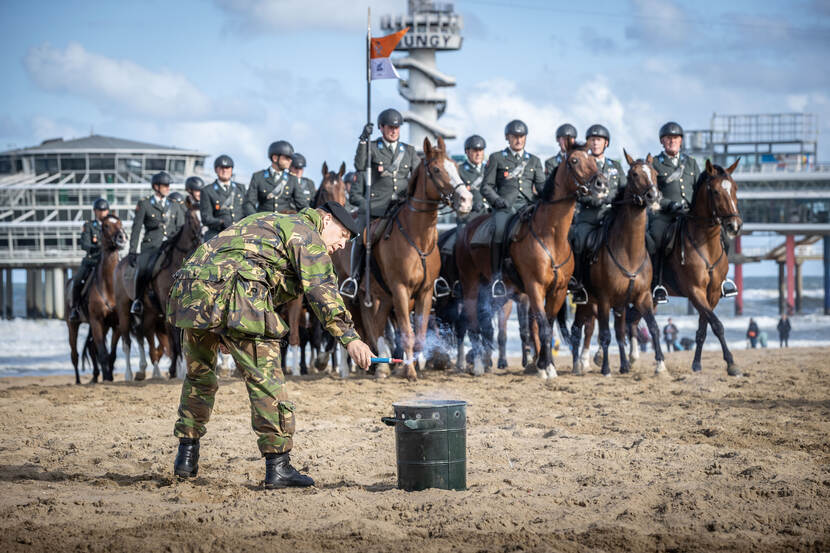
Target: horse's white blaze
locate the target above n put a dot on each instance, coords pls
(466, 197)
(726, 184)
(647, 173)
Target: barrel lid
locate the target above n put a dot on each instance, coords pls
(427, 403)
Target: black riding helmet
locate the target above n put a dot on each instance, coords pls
(671, 129)
(194, 183)
(175, 196)
(100, 204)
(223, 161)
(298, 161)
(598, 130)
(516, 127)
(566, 130)
(390, 117)
(475, 142)
(350, 177)
(280, 148)
(162, 178)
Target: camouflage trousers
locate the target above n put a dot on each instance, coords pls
(272, 416)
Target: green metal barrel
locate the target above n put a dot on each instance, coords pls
(431, 444)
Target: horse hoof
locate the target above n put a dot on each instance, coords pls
(382, 370)
(322, 361)
(696, 368)
(598, 358)
(551, 372)
(140, 375)
(733, 370)
(625, 370)
(577, 370)
(606, 374)
(660, 368)
(542, 374)
(502, 364)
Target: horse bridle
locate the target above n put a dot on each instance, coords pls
(582, 188)
(640, 200)
(715, 218)
(446, 198)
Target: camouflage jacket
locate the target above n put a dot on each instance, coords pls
(91, 240)
(237, 280)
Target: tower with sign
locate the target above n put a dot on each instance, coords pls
(433, 26)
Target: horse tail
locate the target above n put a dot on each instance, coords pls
(562, 319)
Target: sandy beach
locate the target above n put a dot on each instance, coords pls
(682, 462)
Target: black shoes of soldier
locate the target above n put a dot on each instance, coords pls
(137, 308)
(728, 289)
(280, 474)
(659, 295)
(187, 459)
(349, 288)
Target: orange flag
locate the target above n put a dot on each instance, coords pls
(381, 49)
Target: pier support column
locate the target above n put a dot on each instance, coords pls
(58, 294)
(826, 259)
(48, 293)
(739, 280)
(9, 314)
(799, 285)
(790, 273)
(782, 288)
(39, 296)
(30, 293)
(2, 294)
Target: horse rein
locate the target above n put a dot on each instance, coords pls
(445, 198)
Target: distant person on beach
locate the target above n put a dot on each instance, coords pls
(670, 336)
(752, 333)
(784, 329)
(643, 337)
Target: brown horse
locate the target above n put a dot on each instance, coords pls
(406, 257)
(620, 274)
(153, 325)
(541, 253)
(698, 265)
(100, 310)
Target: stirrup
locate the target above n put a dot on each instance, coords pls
(440, 288)
(349, 288)
(573, 285)
(456, 289)
(497, 289)
(728, 288)
(137, 308)
(580, 296)
(659, 294)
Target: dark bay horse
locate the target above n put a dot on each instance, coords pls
(541, 253)
(153, 325)
(620, 274)
(698, 265)
(406, 257)
(100, 307)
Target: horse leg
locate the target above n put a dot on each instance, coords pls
(654, 330)
(544, 359)
(619, 329)
(470, 312)
(101, 353)
(374, 325)
(504, 315)
(576, 335)
(73, 349)
(700, 338)
(113, 345)
(589, 324)
(603, 312)
(400, 299)
(292, 359)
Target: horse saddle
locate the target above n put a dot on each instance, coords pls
(129, 279)
(155, 263)
(487, 231)
(446, 241)
(670, 236)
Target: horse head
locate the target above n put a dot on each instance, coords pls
(641, 187)
(332, 189)
(112, 233)
(581, 175)
(442, 172)
(716, 194)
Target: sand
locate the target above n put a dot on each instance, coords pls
(678, 463)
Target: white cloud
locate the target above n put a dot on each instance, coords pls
(658, 21)
(338, 15)
(797, 102)
(112, 83)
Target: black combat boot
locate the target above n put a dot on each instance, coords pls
(280, 474)
(187, 459)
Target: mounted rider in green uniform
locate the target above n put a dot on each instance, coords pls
(160, 219)
(222, 201)
(562, 134)
(591, 210)
(512, 180)
(90, 243)
(275, 189)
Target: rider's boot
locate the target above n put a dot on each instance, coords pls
(187, 458)
(280, 474)
(497, 290)
(349, 286)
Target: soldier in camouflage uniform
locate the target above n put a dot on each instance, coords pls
(228, 292)
(472, 173)
(275, 188)
(393, 162)
(590, 209)
(160, 219)
(307, 187)
(90, 243)
(512, 179)
(222, 202)
(562, 134)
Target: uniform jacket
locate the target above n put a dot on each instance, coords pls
(591, 209)
(473, 177)
(272, 191)
(236, 281)
(676, 183)
(159, 219)
(91, 240)
(388, 181)
(309, 190)
(504, 178)
(552, 163)
(219, 210)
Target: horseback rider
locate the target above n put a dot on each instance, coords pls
(160, 218)
(193, 186)
(291, 252)
(222, 202)
(472, 173)
(90, 243)
(676, 177)
(562, 134)
(275, 188)
(591, 210)
(352, 181)
(512, 179)
(307, 187)
(393, 162)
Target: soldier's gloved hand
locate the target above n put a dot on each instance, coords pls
(132, 259)
(499, 203)
(367, 132)
(360, 353)
(674, 207)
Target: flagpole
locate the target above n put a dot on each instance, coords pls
(367, 274)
